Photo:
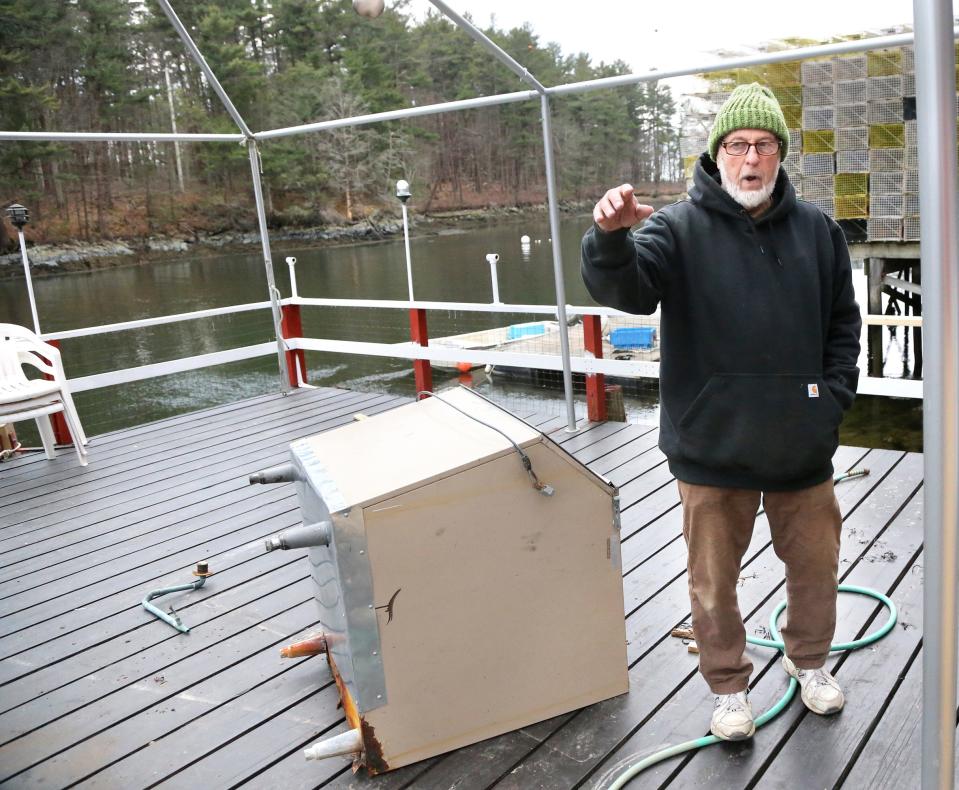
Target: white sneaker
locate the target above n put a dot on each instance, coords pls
(820, 691)
(732, 717)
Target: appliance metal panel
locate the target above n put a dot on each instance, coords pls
(342, 582)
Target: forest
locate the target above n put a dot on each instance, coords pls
(118, 66)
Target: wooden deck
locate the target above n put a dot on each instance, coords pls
(95, 692)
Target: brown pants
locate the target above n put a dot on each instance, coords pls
(718, 526)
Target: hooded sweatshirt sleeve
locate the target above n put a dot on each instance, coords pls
(629, 272)
(841, 353)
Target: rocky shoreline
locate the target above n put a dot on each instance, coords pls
(52, 259)
(55, 259)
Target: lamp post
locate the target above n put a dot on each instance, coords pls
(404, 194)
(20, 216)
(419, 334)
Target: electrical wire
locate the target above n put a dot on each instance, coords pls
(543, 488)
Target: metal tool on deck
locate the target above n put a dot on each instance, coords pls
(202, 572)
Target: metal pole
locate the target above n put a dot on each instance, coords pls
(845, 47)
(554, 233)
(722, 64)
(122, 137)
(268, 263)
(406, 241)
(393, 115)
(176, 143)
(26, 273)
(859, 45)
(197, 56)
(490, 46)
(939, 249)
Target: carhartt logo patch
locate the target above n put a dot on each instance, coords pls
(813, 390)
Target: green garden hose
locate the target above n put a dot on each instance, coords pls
(621, 780)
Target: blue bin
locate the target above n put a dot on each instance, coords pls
(517, 331)
(633, 337)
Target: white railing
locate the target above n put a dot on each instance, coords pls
(586, 364)
(157, 321)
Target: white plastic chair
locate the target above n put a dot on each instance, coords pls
(36, 399)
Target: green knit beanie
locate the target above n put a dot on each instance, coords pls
(750, 107)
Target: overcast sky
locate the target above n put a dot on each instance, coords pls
(674, 33)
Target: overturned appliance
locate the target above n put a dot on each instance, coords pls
(468, 575)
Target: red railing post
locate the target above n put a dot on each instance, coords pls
(61, 433)
(291, 325)
(422, 372)
(595, 382)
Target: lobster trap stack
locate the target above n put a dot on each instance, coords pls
(853, 148)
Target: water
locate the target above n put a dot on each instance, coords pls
(450, 266)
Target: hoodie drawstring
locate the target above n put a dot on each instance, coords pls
(770, 238)
(772, 248)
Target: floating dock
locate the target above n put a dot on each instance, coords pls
(543, 337)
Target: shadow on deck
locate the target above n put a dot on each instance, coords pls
(94, 691)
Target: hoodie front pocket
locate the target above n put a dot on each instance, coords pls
(778, 427)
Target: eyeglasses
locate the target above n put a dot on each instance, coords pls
(763, 147)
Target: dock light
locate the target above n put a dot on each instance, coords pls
(403, 194)
(19, 215)
(368, 8)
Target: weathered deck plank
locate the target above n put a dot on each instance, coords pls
(154, 475)
(95, 692)
(35, 677)
(661, 672)
(734, 766)
(115, 450)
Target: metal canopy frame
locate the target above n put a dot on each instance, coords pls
(936, 91)
(939, 253)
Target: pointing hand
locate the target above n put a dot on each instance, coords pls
(618, 208)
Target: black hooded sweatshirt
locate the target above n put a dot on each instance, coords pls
(759, 331)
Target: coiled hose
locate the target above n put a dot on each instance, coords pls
(776, 643)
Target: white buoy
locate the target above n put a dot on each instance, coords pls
(349, 742)
(525, 248)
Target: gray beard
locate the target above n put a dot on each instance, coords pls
(748, 199)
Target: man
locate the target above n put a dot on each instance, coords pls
(760, 338)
